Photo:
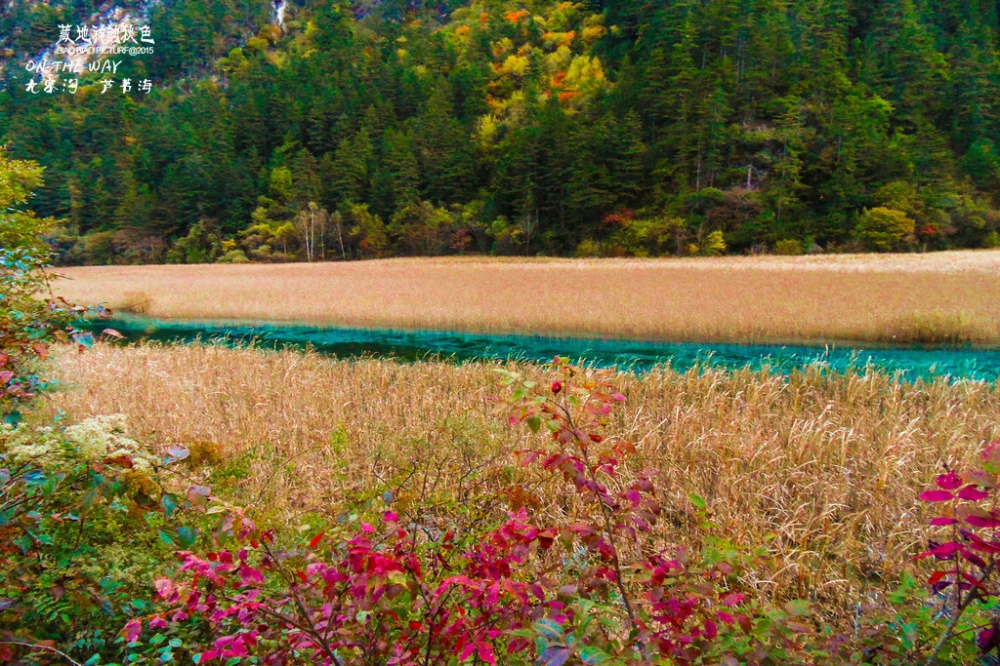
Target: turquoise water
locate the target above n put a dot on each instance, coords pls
(910, 363)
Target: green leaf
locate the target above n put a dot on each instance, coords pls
(549, 629)
(799, 607)
(698, 501)
(165, 538)
(592, 655)
(534, 422)
(169, 504)
(233, 661)
(186, 535)
(95, 659)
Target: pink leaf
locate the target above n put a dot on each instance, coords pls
(970, 492)
(618, 396)
(467, 652)
(983, 521)
(366, 527)
(391, 517)
(941, 521)
(485, 652)
(733, 599)
(711, 630)
(198, 494)
(132, 630)
(949, 481)
(164, 587)
(945, 551)
(936, 496)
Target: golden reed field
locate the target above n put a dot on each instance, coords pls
(824, 469)
(937, 297)
(830, 465)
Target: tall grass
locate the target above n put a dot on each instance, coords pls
(830, 465)
(943, 297)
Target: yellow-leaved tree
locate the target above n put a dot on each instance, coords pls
(20, 228)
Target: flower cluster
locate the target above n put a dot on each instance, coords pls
(93, 440)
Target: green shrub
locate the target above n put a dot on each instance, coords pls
(588, 248)
(885, 229)
(789, 247)
(85, 524)
(714, 245)
(234, 257)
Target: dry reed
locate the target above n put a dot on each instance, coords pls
(831, 465)
(940, 297)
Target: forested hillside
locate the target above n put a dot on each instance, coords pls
(367, 129)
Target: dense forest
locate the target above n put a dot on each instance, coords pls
(622, 128)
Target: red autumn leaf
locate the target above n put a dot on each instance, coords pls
(936, 577)
(972, 557)
(983, 521)
(936, 496)
(485, 652)
(977, 543)
(941, 521)
(988, 639)
(972, 493)
(122, 460)
(711, 630)
(734, 599)
(949, 481)
(945, 551)
(41, 349)
(316, 539)
(545, 538)
(132, 630)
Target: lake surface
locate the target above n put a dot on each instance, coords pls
(910, 363)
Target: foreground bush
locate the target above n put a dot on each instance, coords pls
(84, 522)
(591, 588)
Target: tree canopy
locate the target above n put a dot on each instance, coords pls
(615, 128)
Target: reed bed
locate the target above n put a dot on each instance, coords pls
(829, 464)
(940, 297)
